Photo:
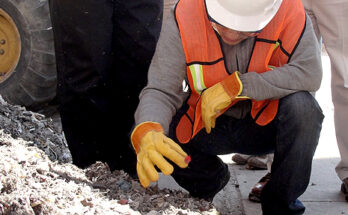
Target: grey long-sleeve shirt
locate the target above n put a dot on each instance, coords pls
(164, 93)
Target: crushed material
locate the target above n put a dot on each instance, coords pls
(37, 176)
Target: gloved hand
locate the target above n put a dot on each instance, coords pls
(151, 145)
(218, 97)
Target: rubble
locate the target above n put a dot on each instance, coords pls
(36, 129)
(37, 176)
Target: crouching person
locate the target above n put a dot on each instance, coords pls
(249, 71)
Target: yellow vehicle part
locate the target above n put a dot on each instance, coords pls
(10, 45)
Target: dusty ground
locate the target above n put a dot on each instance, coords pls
(37, 177)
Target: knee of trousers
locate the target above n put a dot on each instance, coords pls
(300, 109)
(205, 176)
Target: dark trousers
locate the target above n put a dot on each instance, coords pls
(103, 51)
(293, 136)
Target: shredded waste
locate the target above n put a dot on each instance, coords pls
(37, 176)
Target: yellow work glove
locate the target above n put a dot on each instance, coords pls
(151, 145)
(219, 97)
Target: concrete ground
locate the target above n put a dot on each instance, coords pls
(323, 196)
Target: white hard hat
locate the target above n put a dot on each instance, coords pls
(243, 15)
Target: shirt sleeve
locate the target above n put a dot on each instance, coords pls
(302, 73)
(164, 93)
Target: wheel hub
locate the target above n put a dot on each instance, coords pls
(10, 45)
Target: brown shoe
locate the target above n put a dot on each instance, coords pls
(255, 194)
(260, 162)
(240, 159)
(344, 188)
(257, 162)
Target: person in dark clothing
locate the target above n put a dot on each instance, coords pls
(103, 51)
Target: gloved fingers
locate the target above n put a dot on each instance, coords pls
(216, 112)
(218, 104)
(149, 168)
(174, 146)
(172, 155)
(204, 106)
(205, 121)
(225, 102)
(143, 178)
(177, 158)
(207, 126)
(212, 121)
(161, 163)
(164, 149)
(208, 117)
(209, 113)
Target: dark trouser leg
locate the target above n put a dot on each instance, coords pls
(136, 29)
(298, 125)
(91, 138)
(83, 33)
(207, 174)
(293, 135)
(103, 50)
(137, 25)
(83, 56)
(83, 43)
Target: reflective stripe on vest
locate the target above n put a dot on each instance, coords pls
(197, 75)
(273, 48)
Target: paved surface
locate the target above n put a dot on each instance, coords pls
(323, 196)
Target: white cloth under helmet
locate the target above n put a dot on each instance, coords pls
(243, 15)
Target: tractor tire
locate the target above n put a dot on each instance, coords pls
(28, 74)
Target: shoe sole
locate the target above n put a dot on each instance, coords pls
(252, 167)
(260, 164)
(254, 198)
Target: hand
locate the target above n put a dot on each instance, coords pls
(151, 145)
(214, 99)
(218, 97)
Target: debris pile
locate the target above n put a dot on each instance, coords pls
(33, 127)
(37, 177)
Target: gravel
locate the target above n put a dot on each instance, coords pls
(38, 177)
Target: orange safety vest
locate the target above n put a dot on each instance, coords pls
(205, 61)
